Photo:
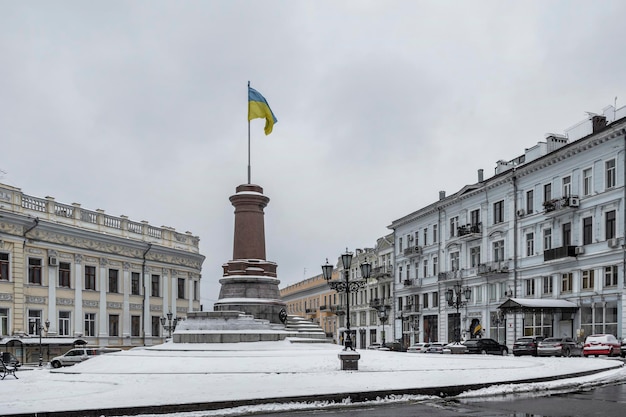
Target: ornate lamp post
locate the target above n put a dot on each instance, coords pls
(457, 297)
(37, 326)
(383, 316)
(346, 286)
(171, 323)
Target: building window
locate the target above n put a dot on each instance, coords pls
(425, 300)
(601, 318)
(610, 225)
(195, 291)
(498, 251)
(530, 287)
(34, 271)
(435, 299)
(426, 235)
(587, 279)
(64, 323)
(475, 256)
(4, 267)
(113, 280)
(34, 320)
(530, 201)
(475, 217)
(587, 182)
(400, 245)
(454, 226)
(399, 274)
(114, 325)
(610, 276)
(454, 261)
(425, 268)
(567, 234)
(156, 287)
(64, 274)
(417, 270)
(547, 239)
(567, 186)
(181, 288)
(566, 282)
(546, 285)
(530, 244)
(493, 292)
(4, 321)
(435, 265)
(498, 212)
(135, 326)
(90, 324)
(610, 173)
(90, 277)
(587, 231)
(156, 326)
(547, 193)
(135, 283)
(435, 234)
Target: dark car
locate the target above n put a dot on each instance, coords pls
(485, 346)
(559, 346)
(526, 345)
(622, 350)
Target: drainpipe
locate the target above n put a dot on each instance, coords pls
(515, 249)
(35, 224)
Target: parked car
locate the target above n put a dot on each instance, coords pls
(485, 346)
(622, 349)
(526, 345)
(9, 359)
(394, 346)
(601, 344)
(77, 355)
(559, 346)
(374, 346)
(418, 348)
(435, 347)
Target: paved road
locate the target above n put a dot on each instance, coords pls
(607, 401)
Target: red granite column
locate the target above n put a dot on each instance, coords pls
(249, 239)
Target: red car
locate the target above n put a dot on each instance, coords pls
(601, 344)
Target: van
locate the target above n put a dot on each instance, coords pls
(77, 355)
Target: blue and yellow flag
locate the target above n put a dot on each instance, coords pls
(259, 109)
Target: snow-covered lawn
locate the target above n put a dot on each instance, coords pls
(194, 373)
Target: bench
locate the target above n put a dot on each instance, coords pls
(7, 370)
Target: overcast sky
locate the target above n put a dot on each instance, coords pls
(140, 107)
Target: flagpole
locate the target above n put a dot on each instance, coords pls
(249, 170)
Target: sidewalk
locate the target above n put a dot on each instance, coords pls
(187, 377)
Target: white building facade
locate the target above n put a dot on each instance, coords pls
(85, 274)
(537, 249)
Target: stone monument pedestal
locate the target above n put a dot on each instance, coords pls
(349, 360)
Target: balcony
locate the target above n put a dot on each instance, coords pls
(561, 205)
(445, 276)
(559, 253)
(323, 307)
(339, 310)
(310, 310)
(382, 271)
(413, 251)
(469, 231)
(407, 282)
(380, 302)
(493, 268)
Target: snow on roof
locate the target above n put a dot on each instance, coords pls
(538, 303)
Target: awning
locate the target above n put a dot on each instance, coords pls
(538, 304)
(45, 341)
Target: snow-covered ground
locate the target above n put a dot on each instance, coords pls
(201, 373)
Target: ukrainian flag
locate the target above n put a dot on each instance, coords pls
(259, 109)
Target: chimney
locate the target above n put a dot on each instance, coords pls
(480, 175)
(442, 195)
(598, 123)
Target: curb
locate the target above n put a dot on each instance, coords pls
(354, 397)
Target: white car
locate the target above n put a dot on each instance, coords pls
(418, 348)
(77, 355)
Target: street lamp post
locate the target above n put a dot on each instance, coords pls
(346, 286)
(37, 325)
(457, 297)
(383, 315)
(171, 323)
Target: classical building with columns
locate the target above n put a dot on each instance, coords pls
(68, 272)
